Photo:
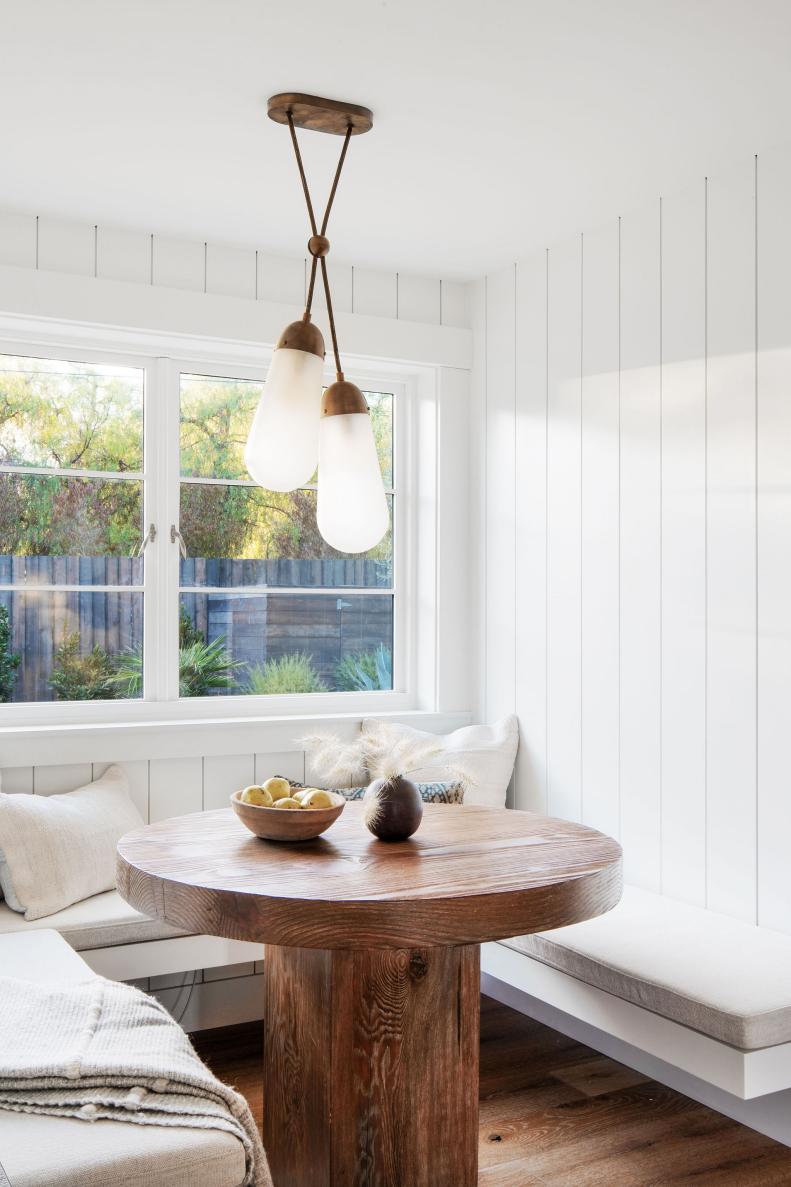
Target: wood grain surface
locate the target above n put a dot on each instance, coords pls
(469, 874)
(554, 1113)
(371, 1062)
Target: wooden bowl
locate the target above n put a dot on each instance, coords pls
(282, 824)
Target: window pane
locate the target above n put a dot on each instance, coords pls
(81, 531)
(381, 405)
(70, 646)
(84, 416)
(216, 415)
(241, 535)
(281, 643)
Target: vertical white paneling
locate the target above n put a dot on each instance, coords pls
(179, 263)
(501, 493)
(600, 530)
(137, 775)
(731, 698)
(530, 436)
(281, 279)
(66, 247)
(230, 271)
(477, 468)
(16, 780)
(123, 255)
(418, 298)
(684, 547)
(288, 763)
(375, 292)
(57, 779)
(563, 528)
(224, 774)
(454, 303)
(18, 239)
(774, 536)
(455, 496)
(175, 787)
(640, 549)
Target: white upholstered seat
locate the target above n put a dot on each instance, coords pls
(39, 1151)
(716, 975)
(96, 922)
(66, 1152)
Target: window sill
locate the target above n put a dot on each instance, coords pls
(171, 733)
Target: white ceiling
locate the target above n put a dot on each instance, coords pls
(501, 125)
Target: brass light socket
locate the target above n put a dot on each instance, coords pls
(342, 397)
(303, 335)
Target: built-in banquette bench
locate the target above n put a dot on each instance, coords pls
(692, 998)
(118, 942)
(43, 1151)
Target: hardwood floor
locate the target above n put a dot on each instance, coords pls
(556, 1114)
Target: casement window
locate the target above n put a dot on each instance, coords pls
(140, 565)
(72, 494)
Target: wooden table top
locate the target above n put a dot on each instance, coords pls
(469, 874)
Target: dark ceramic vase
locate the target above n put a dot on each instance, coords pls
(392, 808)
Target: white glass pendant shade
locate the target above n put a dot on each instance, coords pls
(352, 508)
(283, 447)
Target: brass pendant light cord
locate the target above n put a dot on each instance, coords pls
(316, 232)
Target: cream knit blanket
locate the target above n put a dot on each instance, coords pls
(100, 1049)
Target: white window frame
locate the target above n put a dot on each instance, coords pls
(163, 358)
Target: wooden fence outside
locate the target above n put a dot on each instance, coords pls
(255, 627)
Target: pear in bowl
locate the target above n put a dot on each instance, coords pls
(256, 795)
(279, 789)
(300, 815)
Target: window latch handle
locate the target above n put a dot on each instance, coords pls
(149, 538)
(175, 535)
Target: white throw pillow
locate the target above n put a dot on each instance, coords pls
(485, 752)
(59, 849)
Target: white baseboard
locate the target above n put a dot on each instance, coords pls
(770, 1114)
(217, 1003)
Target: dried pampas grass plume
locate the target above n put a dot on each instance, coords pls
(383, 751)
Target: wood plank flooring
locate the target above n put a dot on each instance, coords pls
(554, 1113)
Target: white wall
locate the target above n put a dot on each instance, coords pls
(145, 258)
(631, 424)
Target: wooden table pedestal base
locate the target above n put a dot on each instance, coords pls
(371, 1066)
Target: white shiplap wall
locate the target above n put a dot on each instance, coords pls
(632, 437)
(141, 257)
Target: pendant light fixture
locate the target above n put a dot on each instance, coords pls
(295, 426)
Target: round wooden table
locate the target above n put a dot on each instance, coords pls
(371, 977)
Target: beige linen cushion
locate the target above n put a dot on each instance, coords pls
(40, 1151)
(486, 753)
(725, 978)
(59, 849)
(101, 921)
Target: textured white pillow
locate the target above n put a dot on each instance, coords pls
(59, 849)
(485, 752)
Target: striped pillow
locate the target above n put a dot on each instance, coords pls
(430, 793)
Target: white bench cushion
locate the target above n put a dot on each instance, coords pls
(97, 922)
(717, 975)
(43, 956)
(38, 1151)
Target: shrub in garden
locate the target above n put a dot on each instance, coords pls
(365, 671)
(290, 673)
(203, 667)
(78, 677)
(9, 660)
